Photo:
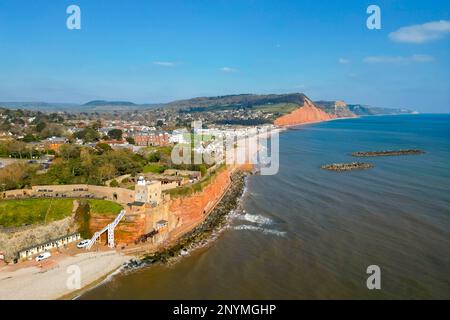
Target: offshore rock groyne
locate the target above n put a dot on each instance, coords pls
(387, 153)
(200, 235)
(347, 166)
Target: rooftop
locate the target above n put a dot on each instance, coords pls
(136, 204)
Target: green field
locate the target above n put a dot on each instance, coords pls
(154, 168)
(166, 150)
(104, 207)
(16, 213)
(280, 108)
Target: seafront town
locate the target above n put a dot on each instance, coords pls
(131, 215)
(93, 193)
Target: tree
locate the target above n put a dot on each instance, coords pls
(52, 130)
(30, 138)
(69, 151)
(114, 184)
(14, 176)
(4, 150)
(96, 125)
(103, 147)
(86, 160)
(17, 148)
(154, 157)
(115, 134)
(87, 135)
(130, 140)
(40, 126)
(107, 171)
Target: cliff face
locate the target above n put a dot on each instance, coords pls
(338, 108)
(188, 211)
(308, 113)
(125, 232)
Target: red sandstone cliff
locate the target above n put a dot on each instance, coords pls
(188, 211)
(125, 232)
(191, 210)
(308, 113)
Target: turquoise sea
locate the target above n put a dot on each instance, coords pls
(307, 233)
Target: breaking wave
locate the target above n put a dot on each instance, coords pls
(259, 222)
(260, 229)
(255, 218)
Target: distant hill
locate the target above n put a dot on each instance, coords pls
(278, 104)
(342, 109)
(39, 106)
(364, 110)
(338, 108)
(101, 106)
(97, 103)
(235, 101)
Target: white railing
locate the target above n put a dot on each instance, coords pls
(110, 228)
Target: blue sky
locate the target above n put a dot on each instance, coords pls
(157, 51)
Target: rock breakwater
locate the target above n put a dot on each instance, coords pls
(347, 166)
(387, 153)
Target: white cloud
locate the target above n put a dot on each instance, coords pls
(399, 59)
(165, 63)
(421, 33)
(228, 69)
(344, 61)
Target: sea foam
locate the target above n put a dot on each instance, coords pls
(260, 229)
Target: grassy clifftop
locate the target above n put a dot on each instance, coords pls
(16, 213)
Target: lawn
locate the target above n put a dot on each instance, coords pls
(154, 167)
(16, 213)
(104, 207)
(166, 150)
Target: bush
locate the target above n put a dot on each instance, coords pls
(154, 168)
(82, 217)
(114, 184)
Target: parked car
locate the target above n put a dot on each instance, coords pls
(43, 256)
(83, 244)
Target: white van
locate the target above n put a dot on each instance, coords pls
(43, 256)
